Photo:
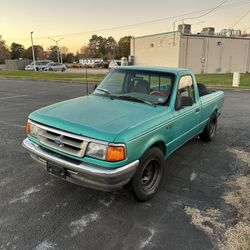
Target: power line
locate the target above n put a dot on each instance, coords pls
(241, 18)
(207, 13)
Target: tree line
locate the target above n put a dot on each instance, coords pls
(97, 47)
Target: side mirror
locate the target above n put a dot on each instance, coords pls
(183, 101)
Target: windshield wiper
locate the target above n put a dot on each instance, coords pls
(106, 92)
(136, 99)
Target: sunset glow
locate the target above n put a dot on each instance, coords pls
(76, 20)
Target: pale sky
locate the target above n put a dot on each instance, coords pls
(73, 19)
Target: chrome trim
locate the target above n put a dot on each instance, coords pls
(66, 142)
(83, 146)
(58, 131)
(84, 174)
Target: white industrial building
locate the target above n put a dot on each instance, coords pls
(203, 52)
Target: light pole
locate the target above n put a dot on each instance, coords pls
(57, 48)
(33, 52)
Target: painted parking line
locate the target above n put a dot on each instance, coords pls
(10, 97)
(12, 124)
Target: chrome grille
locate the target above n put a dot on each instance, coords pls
(62, 141)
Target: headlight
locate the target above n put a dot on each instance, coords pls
(110, 152)
(96, 150)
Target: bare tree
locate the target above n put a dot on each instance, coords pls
(4, 51)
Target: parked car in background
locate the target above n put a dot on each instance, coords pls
(40, 65)
(106, 64)
(30, 67)
(98, 64)
(114, 64)
(52, 66)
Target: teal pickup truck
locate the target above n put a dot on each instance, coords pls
(123, 132)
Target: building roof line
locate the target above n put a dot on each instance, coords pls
(157, 34)
(193, 35)
(216, 36)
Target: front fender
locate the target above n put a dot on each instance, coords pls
(138, 146)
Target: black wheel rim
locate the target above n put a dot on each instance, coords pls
(150, 174)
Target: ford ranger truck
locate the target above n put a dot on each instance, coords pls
(123, 132)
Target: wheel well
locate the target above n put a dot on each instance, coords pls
(161, 145)
(216, 112)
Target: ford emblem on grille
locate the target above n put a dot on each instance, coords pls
(58, 141)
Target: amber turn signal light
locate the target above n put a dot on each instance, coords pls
(27, 128)
(115, 153)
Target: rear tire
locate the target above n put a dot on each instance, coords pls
(147, 178)
(210, 129)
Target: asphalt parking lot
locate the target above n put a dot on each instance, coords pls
(38, 211)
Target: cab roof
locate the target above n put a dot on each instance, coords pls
(158, 69)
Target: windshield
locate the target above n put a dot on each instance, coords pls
(137, 85)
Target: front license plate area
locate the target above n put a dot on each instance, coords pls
(56, 170)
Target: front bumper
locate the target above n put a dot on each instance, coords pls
(81, 173)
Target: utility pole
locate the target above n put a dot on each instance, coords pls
(174, 33)
(57, 48)
(33, 52)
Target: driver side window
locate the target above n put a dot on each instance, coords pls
(186, 87)
(184, 92)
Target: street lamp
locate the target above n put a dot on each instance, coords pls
(33, 52)
(57, 48)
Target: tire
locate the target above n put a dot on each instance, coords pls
(50, 69)
(210, 129)
(63, 69)
(147, 178)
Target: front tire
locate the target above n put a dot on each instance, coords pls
(147, 178)
(210, 129)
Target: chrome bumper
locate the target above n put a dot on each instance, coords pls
(84, 174)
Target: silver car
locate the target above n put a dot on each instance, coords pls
(40, 65)
(52, 66)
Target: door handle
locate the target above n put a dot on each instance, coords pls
(197, 110)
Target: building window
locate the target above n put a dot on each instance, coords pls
(151, 45)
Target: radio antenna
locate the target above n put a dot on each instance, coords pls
(86, 70)
(86, 80)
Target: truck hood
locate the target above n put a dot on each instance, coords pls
(96, 116)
